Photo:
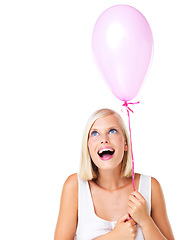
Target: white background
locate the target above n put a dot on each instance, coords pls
(49, 85)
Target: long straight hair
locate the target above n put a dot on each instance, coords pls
(88, 170)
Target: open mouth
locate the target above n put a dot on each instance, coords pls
(106, 153)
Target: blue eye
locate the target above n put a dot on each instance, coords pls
(113, 131)
(94, 133)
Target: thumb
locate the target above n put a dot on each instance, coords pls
(123, 218)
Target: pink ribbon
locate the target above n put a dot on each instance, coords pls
(126, 105)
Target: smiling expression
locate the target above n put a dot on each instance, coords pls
(106, 142)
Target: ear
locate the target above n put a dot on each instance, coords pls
(125, 147)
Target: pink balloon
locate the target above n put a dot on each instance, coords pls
(122, 45)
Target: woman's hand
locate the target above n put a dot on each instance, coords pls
(125, 228)
(137, 208)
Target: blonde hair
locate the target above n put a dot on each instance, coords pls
(88, 170)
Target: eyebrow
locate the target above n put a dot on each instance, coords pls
(95, 129)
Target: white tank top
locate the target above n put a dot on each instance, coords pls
(90, 226)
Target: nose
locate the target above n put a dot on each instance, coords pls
(104, 140)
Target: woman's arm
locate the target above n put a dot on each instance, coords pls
(159, 216)
(157, 226)
(68, 214)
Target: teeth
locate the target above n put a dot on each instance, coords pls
(106, 149)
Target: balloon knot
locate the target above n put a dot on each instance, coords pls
(126, 104)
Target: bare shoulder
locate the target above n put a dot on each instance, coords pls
(71, 183)
(156, 190)
(156, 193)
(68, 214)
(69, 194)
(158, 209)
(158, 205)
(155, 183)
(70, 190)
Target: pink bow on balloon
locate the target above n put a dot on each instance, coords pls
(122, 45)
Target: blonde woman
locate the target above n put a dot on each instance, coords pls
(99, 202)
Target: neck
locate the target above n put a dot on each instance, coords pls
(110, 179)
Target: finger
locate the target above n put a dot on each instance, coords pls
(138, 195)
(131, 225)
(132, 222)
(129, 217)
(123, 218)
(135, 228)
(131, 206)
(133, 199)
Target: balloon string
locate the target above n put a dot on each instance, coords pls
(126, 105)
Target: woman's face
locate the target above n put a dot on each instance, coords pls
(106, 142)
